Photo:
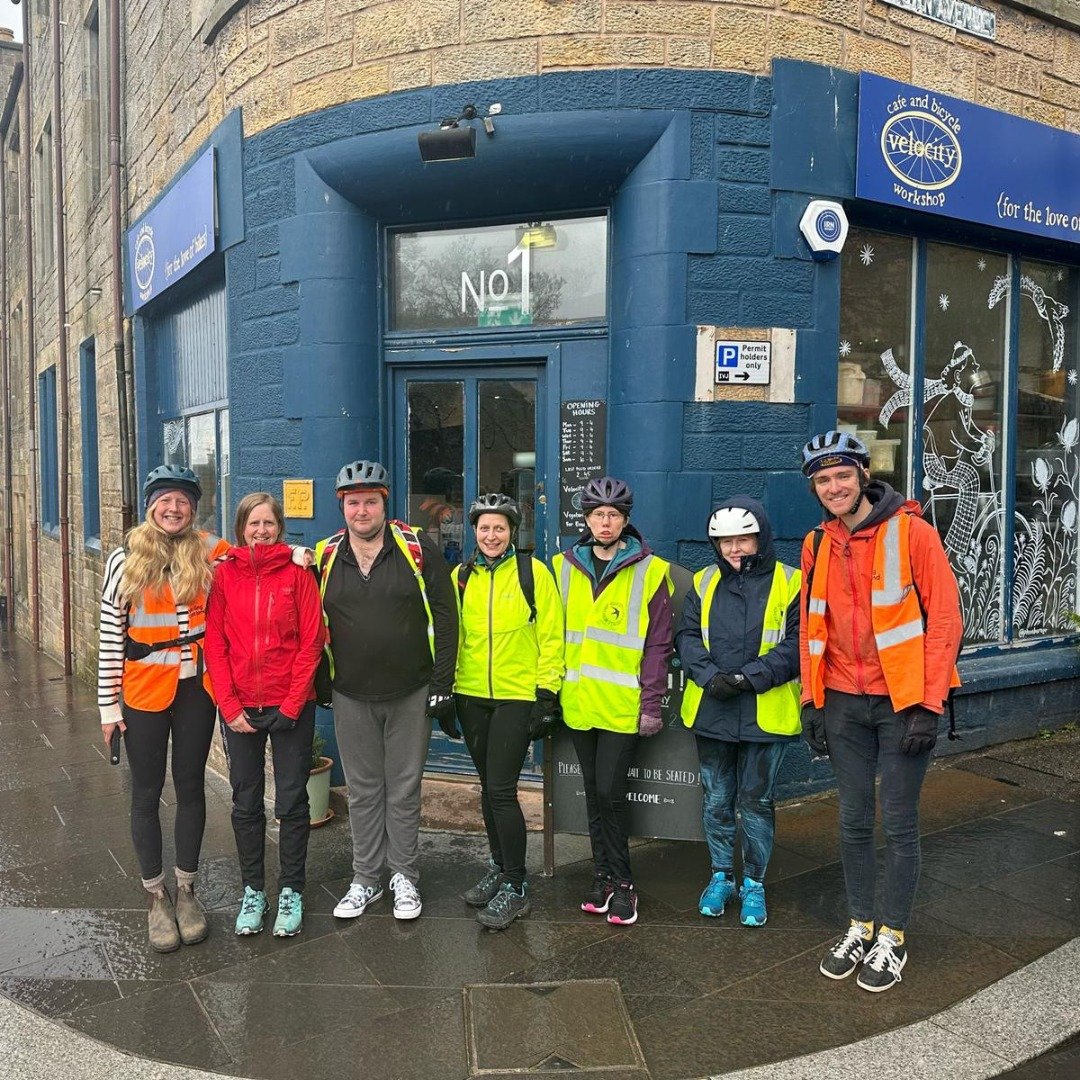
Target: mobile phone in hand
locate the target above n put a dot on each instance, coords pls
(114, 746)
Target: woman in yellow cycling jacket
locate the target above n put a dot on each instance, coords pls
(509, 670)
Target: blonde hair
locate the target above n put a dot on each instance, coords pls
(156, 559)
(248, 503)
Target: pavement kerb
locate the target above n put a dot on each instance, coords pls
(998, 1028)
(1021, 1016)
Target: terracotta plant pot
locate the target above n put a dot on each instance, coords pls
(318, 792)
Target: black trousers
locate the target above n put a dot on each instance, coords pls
(497, 735)
(189, 722)
(291, 752)
(605, 756)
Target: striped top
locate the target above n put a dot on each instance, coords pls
(112, 637)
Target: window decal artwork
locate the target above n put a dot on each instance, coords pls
(997, 424)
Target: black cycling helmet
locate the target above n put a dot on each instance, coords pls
(496, 503)
(607, 491)
(834, 448)
(361, 475)
(171, 478)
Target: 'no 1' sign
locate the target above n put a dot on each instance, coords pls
(745, 363)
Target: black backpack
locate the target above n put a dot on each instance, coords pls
(525, 579)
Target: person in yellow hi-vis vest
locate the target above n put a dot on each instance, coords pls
(616, 596)
(738, 641)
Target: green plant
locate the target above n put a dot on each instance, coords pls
(318, 744)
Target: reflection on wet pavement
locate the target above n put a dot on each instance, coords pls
(443, 998)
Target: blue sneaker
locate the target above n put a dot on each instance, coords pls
(252, 912)
(716, 895)
(290, 913)
(753, 903)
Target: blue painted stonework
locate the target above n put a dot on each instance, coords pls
(704, 176)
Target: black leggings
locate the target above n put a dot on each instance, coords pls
(190, 722)
(605, 757)
(497, 735)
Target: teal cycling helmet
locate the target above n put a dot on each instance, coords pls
(834, 448)
(171, 478)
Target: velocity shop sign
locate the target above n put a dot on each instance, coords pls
(945, 156)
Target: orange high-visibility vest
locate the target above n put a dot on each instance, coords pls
(150, 684)
(895, 615)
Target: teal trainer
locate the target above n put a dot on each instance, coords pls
(252, 912)
(290, 913)
(753, 903)
(716, 895)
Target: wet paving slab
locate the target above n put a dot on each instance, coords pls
(560, 993)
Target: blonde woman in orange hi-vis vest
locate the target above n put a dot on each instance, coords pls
(880, 631)
(153, 612)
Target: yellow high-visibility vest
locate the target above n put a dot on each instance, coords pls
(605, 640)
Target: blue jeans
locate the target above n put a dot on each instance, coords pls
(742, 775)
(863, 733)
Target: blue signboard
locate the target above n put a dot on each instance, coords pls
(176, 234)
(936, 153)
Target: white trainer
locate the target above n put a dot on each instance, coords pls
(356, 900)
(407, 904)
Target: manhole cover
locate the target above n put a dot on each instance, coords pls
(550, 1028)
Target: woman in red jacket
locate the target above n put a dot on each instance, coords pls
(264, 636)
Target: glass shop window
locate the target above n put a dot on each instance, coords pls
(548, 273)
(932, 377)
(201, 442)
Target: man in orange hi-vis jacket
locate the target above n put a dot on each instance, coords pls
(880, 633)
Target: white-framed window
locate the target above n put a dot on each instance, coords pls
(45, 252)
(96, 98)
(201, 442)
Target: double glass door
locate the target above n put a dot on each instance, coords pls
(463, 432)
(459, 432)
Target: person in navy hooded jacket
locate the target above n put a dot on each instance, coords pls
(738, 641)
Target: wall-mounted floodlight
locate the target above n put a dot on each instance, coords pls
(450, 141)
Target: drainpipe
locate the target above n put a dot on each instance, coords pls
(10, 105)
(5, 389)
(123, 398)
(34, 584)
(62, 344)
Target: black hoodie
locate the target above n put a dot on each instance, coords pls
(735, 626)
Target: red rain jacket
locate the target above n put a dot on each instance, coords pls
(264, 631)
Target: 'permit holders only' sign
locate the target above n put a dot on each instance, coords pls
(743, 363)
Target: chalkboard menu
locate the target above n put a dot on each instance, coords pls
(582, 442)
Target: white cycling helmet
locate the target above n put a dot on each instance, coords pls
(732, 521)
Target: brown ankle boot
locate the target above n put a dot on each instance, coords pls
(164, 934)
(190, 917)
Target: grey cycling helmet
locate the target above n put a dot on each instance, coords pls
(171, 478)
(361, 475)
(834, 448)
(607, 491)
(732, 521)
(496, 503)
